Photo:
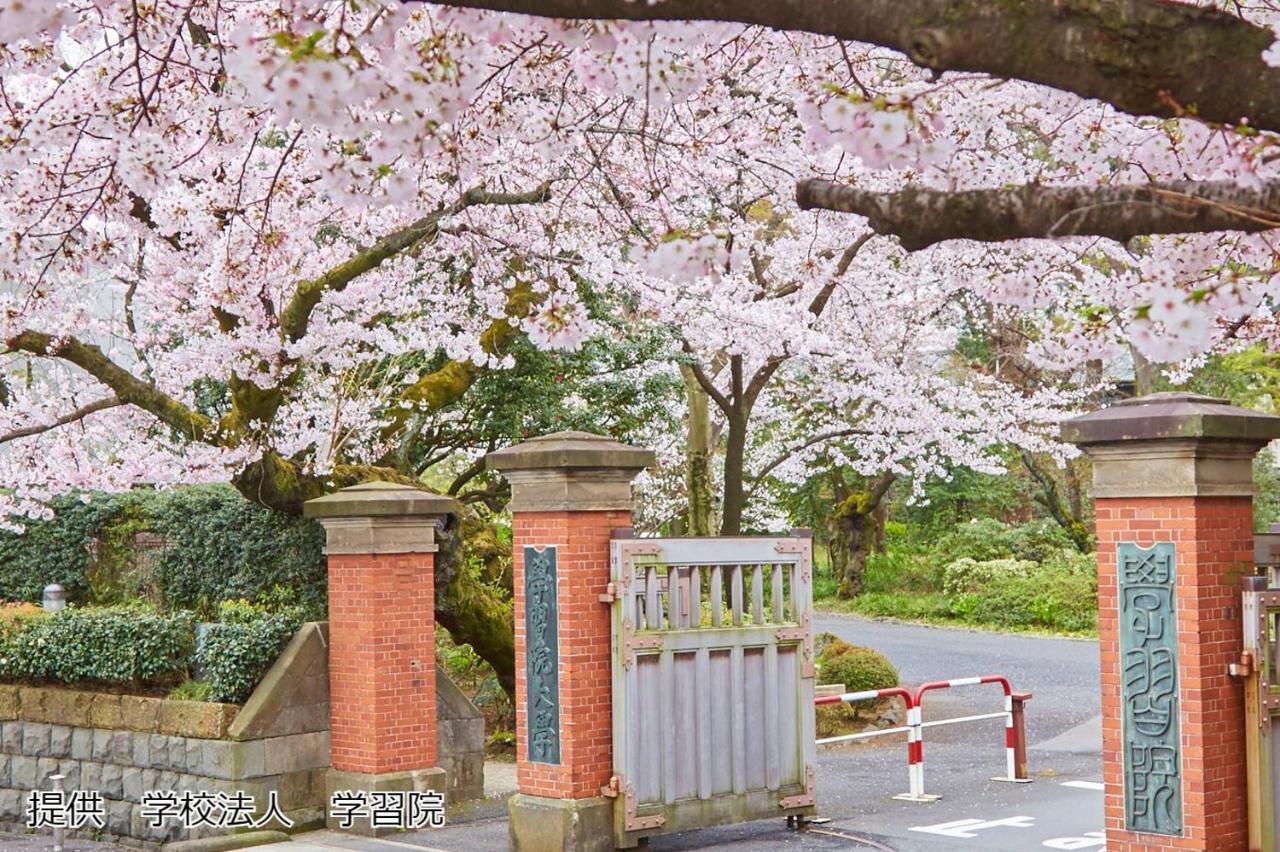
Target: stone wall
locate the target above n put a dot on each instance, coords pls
(123, 746)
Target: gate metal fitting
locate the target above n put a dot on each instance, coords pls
(1243, 667)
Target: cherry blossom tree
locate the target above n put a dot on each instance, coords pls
(231, 229)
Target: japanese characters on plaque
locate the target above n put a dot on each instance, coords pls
(1149, 688)
(542, 670)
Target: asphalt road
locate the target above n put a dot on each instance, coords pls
(1060, 809)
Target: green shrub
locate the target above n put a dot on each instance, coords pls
(235, 654)
(116, 645)
(1048, 597)
(856, 667)
(1037, 541)
(965, 575)
(986, 539)
(981, 540)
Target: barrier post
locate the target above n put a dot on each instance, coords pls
(1015, 736)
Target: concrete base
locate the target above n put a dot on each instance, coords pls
(434, 779)
(560, 825)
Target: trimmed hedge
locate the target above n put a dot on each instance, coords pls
(139, 647)
(235, 653)
(113, 645)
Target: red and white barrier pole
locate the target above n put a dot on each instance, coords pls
(1013, 734)
(1015, 739)
(909, 728)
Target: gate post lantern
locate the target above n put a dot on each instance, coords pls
(1173, 488)
(380, 539)
(569, 492)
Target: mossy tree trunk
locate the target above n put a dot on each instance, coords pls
(857, 529)
(699, 446)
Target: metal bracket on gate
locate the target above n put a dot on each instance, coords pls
(630, 821)
(639, 643)
(803, 800)
(609, 595)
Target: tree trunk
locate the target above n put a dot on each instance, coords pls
(857, 528)
(735, 495)
(699, 445)
(1145, 373)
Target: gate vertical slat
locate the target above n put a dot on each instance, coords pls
(652, 600)
(779, 604)
(675, 608)
(753, 670)
(737, 710)
(703, 680)
(757, 594)
(791, 750)
(735, 593)
(772, 733)
(695, 596)
(717, 596)
(666, 699)
(722, 733)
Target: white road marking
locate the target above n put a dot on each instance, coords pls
(967, 827)
(1088, 841)
(1085, 785)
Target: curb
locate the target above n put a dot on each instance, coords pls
(230, 841)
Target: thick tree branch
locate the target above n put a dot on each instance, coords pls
(1146, 57)
(128, 388)
(920, 217)
(70, 417)
(296, 314)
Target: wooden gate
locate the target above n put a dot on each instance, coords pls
(713, 718)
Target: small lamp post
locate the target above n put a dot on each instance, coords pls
(55, 598)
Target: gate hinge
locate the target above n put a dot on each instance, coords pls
(1243, 667)
(611, 790)
(609, 595)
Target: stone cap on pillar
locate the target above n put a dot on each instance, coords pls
(381, 517)
(1161, 416)
(1172, 445)
(570, 471)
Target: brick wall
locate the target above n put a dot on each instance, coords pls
(586, 722)
(382, 661)
(1214, 549)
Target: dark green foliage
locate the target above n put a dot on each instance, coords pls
(112, 645)
(986, 539)
(216, 545)
(221, 546)
(856, 667)
(55, 551)
(235, 653)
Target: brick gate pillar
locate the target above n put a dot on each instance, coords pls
(569, 491)
(1173, 486)
(381, 545)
